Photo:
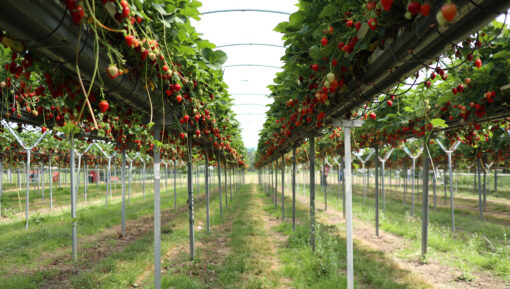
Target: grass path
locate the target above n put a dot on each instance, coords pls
(239, 252)
(405, 252)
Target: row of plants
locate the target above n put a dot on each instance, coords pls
(150, 42)
(460, 96)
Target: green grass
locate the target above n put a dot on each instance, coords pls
(51, 234)
(477, 244)
(325, 268)
(245, 265)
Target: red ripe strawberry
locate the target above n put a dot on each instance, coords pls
(357, 25)
(185, 118)
(349, 23)
(182, 135)
(454, 90)
(315, 67)
(425, 9)
(178, 98)
(449, 10)
(386, 4)
(71, 4)
(372, 115)
(129, 39)
(428, 83)
(125, 12)
(341, 45)
(478, 63)
(103, 106)
(324, 41)
(414, 7)
(43, 129)
(197, 132)
(177, 87)
(112, 71)
(372, 23)
(389, 102)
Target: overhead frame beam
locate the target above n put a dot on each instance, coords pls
(250, 44)
(245, 10)
(252, 65)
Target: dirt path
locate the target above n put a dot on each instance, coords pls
(102, 247)
(276, 241)
(437, 274)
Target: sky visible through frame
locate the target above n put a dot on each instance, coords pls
(247, 84)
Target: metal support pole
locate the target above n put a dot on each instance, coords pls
(190, 201)
(293, 188)
(123, 180)
(276, 183)
(157, 212)
(73, 204)
(206, 172)
(226, 184)
(425, 203)
(283, 187)
(50, 181)
(218, 164)
(377, 191)
(312, 192)
(175, 185)
(480, 202)
(348, 205)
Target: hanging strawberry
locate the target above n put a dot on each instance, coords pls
(103, 106)
(112, 71)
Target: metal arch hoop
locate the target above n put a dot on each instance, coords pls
(252, 94)
(250, 44)
(248, 104)
(252, 65)
(245, 10)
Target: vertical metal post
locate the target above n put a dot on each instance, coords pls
(484, 188)
(226, 183)
(206, 172)
(108, 184)
(73, 204)
(383, 163)
(85, 178)
(451, 191)
(157, 211)
(312, 192)
(276, 183)
(324, 188)
(123, 180)
(412, 187)
(175, 185)
(480, 202)
(283, 187)
(130, 179)
(348, 205)
(218, 163)
(425, 203)
(434, 185)
(50, 181)
(143, 179)
(190, 201)
(377, 191)
(27, 201)
(293, 188)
